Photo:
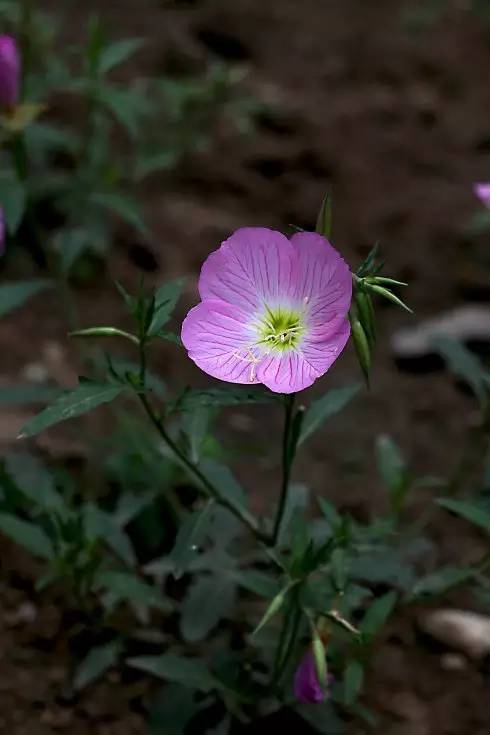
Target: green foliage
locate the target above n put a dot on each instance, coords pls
(82, 399)
(14, 295)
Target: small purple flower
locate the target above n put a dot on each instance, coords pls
(10, 68)
(307, 688)
(482, 191)
(273, 310)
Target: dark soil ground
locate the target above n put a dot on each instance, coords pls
(394, 119)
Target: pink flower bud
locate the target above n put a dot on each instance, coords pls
(307, 688)
(10, 67)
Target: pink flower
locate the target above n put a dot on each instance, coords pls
(307, 688)
(10, 67)
(482, 191)
(273, 310)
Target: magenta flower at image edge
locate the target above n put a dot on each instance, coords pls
(307, 688)
(482, 191)
(10, 68)
(273, 310)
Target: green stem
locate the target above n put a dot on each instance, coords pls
(288, 451)
(196, 473)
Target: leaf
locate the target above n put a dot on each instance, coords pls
(390, 462)
(322, 718)
(324, 220)
(82, 399)
(70, 244)
(27, 534)
(393, 470)
(353, 679)
(96, 663)
(296, 503)
(330, 512)
(126, 587)
(117, 52)
(338, 563)
(190, 672)
(21, 394)
(469, 511)
(209, 599)
(125, 207)
(223, 479)
(377, 614)
(13, 295)
(189, 537)
(126, 105)
(440, 581)
(325, 407)
(12, 200)
(100, 525)
(260, 583)
(221, 397)
(166, 298)
(173, 708)
(465, 365)
(35, 482)
(274, 607)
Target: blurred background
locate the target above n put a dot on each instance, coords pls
(386, 105)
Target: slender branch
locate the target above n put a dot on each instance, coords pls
(287, 461)
(196, 473)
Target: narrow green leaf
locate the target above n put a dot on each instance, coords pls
(12, 199)
(100, 525)
(440, 581)
(125, 207)
(127, 587)
(338, 563)
(22, 394)
(274, 607)
(166, 298)
(190, 535)
(377, 614)
(13, 295)
(325, 407)
(190, 672)
(104, 332)
(95, 664)
(389, 295)
(85, 397)
(260, 583)
(465, 365)
(221, 397)
(329, 511)
(209, 599)
(353, 679)
(471, 512)
(222, 478)
(35, 482)
(117, 52)
(324, 221)
(27, 534)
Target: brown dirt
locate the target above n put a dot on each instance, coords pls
(396, 125)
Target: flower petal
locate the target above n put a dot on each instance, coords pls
(482, 191)
(217, 338)
(252, 267)
(321, 277)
